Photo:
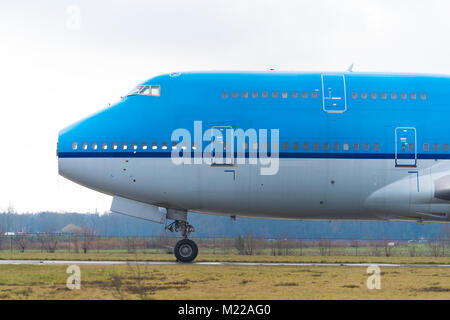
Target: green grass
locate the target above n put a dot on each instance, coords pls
(189, 281)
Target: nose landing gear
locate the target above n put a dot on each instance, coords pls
(185, 250)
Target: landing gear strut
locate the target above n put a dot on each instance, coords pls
(185, 250)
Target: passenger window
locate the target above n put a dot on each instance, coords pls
(255, 94)
(426, 147)
(194, 146)
(274, 94)
(164, 146)
(275, 146)
(183, 145)
(134, 146)
(374, 95)
(393, 96)
(413, 96)
(305, 146)
(316, 146)
(446, 148)
(124, 146)
(245, 94)
(255, 145)
(423, 96)
(84, 146)
(295, 146)
(295, 94)
(404, 96)
(114, 145)
(346, 146)
(264, 146)
(234, 94)
(356, 146)
(174, 145)
(285, 146)
(155, 145)
(74, 146)
(144, 146)
(354, 95)
(326, 146)
(314, 95)
(364, 95)
(94, 145)
(284, 94)
(384, 95)
(104, 146)
(265, 94)
(436, 147)
(245, 146)
(336, 146)
(366, 146)
(376, 146)
(304, 94)
(224, 95)
(410, 146)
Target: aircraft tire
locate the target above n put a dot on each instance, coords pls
(186, 250)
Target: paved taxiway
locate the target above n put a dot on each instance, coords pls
(157, 263)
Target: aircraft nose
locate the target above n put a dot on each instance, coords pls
(74, 161)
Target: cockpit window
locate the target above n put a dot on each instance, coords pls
(147, 90)
(135, 91)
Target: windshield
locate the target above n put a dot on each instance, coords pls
(147, 90)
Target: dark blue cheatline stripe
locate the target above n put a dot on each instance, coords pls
(282, 155)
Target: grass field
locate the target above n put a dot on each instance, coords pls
(203, 257)
(221, 282)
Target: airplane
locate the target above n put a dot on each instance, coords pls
(269, 144)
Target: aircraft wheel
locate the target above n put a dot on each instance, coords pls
(186, 250)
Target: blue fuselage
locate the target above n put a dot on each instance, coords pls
(395, 122)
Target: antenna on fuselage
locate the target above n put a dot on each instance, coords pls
(350, 69)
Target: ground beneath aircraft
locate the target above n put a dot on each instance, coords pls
(168, 280)
(267, 264)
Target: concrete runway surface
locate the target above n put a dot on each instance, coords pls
(157, 263)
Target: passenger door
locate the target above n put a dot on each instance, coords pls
(334, 93)
(405, 147)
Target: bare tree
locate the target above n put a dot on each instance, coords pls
(88, 236)
(387, 248)
(117, 286)
(76, 242)
(21, 241)
(355, 244)
(2, 236)
(51, 241)
(131, 244)
(245, 245)
(412, 249)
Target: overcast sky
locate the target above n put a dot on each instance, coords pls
(57, 67)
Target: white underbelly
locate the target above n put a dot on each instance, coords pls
(302, 189)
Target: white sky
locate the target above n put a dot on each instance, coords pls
(52, 75)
